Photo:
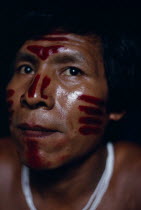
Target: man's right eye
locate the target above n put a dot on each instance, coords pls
(25, 69)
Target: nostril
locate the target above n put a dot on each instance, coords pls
(24, 103)
(40, 104)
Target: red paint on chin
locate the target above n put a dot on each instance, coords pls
(91, 100)
(10, 93)
(33, 154)
(44, 52)
(32, 88)
(89, 130)
(45, 84)
(90, 110)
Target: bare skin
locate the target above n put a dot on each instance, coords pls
(123, 192)
(57, 102)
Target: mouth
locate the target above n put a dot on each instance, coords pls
(35, 130)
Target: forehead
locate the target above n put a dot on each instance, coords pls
(67, 43)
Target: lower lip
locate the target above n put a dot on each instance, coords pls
(36, 134)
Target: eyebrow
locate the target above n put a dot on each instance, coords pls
(67, 58)
(26, 57)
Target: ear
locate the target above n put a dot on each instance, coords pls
(116, 116)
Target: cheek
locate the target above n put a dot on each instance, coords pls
(89, 115)
(10, 102)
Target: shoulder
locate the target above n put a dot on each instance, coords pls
(7, 149)
(127, 172)
(9, 163)
(128, 155)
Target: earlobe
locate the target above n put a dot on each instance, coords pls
(116, 116)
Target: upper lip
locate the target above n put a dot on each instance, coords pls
(26, 126)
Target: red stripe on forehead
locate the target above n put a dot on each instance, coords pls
(91, 100)
(51, 39)
(44, 52)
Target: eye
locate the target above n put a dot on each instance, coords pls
(73, 71)
(25, 69)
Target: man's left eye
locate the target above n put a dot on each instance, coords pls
(73, 71)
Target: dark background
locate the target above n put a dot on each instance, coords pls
(125, 13)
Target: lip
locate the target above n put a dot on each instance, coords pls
(36, 131)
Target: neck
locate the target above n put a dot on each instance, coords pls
(80, 177)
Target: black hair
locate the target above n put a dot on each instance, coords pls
(120, 54)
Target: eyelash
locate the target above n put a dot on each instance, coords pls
(76, 72)
(73, 71)
(24, 67)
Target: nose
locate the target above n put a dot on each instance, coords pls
(38, 94)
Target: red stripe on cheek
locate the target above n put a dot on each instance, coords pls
(44, 52)
(91, 100)
(88, 130)
(45, 84)
(32, 88)
(91, 110)
(10, 93)
(90, 120)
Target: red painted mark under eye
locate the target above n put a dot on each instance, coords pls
(88, 130)
(90, 110)
(51, 39)
(44, 52)
(32, 88)
(45, 84)
(10, 93)
(90, 120)
(32, 154)
(91, 99)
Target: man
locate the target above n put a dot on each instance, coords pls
(69, 81)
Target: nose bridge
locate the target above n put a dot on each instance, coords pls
(37, 92)
(31, 91)
(38, 87)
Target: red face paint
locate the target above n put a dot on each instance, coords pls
(9, 93)
(89, 130)
(32, 88)
(51, 39)
(32, 154)
(45, 83)
(91, 100)
(90, 110)
(90, 120)
(44, 52)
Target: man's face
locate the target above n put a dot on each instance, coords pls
(57, 99)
